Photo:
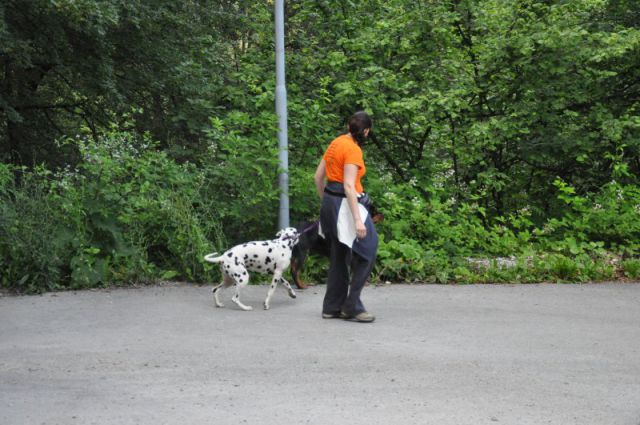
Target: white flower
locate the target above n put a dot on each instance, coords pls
(525, 210)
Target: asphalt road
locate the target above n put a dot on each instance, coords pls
(521, 354)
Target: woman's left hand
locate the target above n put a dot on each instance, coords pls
(361, 230)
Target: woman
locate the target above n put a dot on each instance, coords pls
(345, 223)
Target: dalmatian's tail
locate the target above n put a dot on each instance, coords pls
(211, 258)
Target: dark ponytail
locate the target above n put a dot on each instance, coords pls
(358, 123)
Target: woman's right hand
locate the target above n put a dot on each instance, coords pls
(361, 230)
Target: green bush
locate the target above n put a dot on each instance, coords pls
(631, 268)
(430, 239)
(127, 213)
(34, 246)
(240, 175)
(606, 220)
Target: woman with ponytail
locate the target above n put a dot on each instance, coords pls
(345, 222)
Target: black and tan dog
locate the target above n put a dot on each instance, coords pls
(310, 242)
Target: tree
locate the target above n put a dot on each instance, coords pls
(68, 65)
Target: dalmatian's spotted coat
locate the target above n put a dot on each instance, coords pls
(271, 256)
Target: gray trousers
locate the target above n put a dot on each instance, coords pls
(348, 272)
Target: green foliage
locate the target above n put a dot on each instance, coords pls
(606, 220)
(631, 268)
(240, 174)
(442, 240)
(68, 64)
(504, 129)
(127, 213)
(33, 248)
(561, 268)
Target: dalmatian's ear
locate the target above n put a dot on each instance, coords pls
(279, 234)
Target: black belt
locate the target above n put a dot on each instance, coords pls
(362, 198)
(334, 193)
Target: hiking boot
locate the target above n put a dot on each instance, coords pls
(363, 317)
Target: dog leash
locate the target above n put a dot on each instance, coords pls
(314, 224)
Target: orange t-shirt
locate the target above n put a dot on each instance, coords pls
(344, 150)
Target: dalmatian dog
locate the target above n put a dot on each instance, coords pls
(272, 256)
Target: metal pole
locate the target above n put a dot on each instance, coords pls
(281, 111)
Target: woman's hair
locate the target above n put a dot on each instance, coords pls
(358, 123)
